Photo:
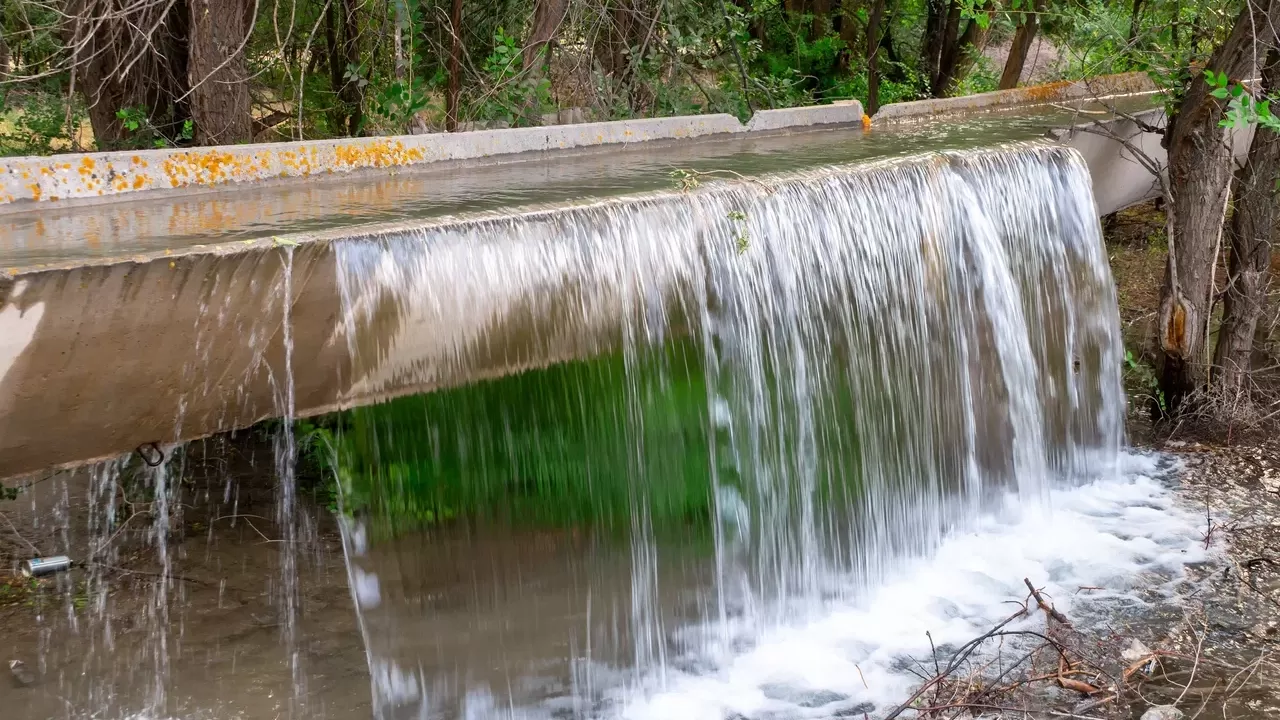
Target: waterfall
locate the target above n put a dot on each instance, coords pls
(818, 376)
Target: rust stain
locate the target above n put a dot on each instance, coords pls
(1175, 335)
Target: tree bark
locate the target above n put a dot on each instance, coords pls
(1200, 173)
(454, 91)
(1023, 37)
(351, 94)
(956, 58)
(1250, 232)
(932, 43)
(119, 66)
(220, 104)
(873, 56)
(548, 16)
(821, 21)
(1134, 19)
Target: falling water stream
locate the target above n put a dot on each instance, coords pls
(723, 453)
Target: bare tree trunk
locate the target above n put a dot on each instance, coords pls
(548, 16)
(455, 68)
(821, 21)
(1134, 19)
(1252, 227)
(1022, 39)
(220, 102)
(956, 55)
(1200, 173)
(4, 54)
(121, 66)
(350, 94)
(873, 56)
(932, 43)
(848, 30)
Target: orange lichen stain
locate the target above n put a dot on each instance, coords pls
(379, 153)
(86, 166)
(866, 121)
(36, 192)
(139, 181)
(1046, 92)
(120, 184)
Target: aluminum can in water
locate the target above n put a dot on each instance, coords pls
(36, 567)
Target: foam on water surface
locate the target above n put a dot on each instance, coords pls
(1125, 534)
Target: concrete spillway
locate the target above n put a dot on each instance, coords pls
(179, 315)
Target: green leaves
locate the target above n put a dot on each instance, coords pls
(1243, 110)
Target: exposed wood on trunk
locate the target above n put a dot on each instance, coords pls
(1200, 173)
(220, 102)
(1023, 37)
(548, 16)
(1250, 234)
(874, 21)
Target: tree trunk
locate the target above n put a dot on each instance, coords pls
(548, 16)
(848, 21)
(873, 56)
(1134, 20)
(351, 94)
(1200, 172)
(220, 102)
(956, 55)
(118, 69)
(454, 91)
(821, 21)
(1023, 37)
(932, 42)
(1250, 232)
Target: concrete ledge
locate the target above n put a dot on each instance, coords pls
(95, 175)
(1135, 83)
(842, 113)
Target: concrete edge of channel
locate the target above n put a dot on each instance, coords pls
(28, 181)
(77, 177)
(1102, 87)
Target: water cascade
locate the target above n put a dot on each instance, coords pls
(722, 412)
(720, 452)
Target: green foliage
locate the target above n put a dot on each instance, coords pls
(570, 445)
(1140, 375)
(137, 122)
(35, 123)
(507, 92)
(741, 237)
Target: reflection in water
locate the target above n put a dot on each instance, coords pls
(798, 384)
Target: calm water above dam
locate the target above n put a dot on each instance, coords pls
(741, 448)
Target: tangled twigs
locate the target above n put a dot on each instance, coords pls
(956, 661)
(1046, 607)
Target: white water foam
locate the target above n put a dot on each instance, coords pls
(1126, 534)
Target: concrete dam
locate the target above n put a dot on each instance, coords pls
(681, 418)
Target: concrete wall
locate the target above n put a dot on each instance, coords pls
(86, 177)
(114, 174)
(1060, 92)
